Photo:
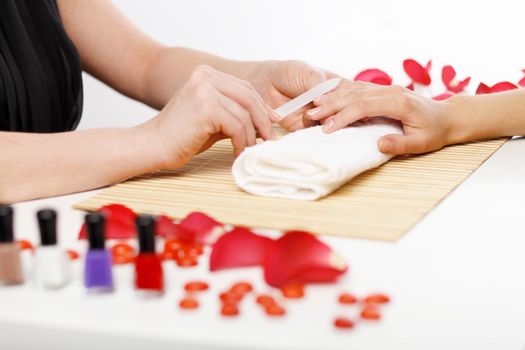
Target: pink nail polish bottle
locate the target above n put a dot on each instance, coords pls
(10, 265)
(51, 269)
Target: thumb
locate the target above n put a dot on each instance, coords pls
(297, 77)
(401, 144)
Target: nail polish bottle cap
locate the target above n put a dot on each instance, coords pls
(6, 224)
(146, 230)
(47, 222)
(95, 225)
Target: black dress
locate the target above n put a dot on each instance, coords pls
(40, 72)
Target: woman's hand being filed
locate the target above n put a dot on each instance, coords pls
(427, 124)
(209, 107)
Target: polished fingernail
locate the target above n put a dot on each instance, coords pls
(327, 127)
(313, 112)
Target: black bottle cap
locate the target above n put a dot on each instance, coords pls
(47, 222)
(146, 230)
(95, 225)
(6, 224)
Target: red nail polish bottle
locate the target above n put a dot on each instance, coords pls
(148, 267)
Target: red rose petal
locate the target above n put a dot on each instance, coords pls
(375, 76)
(120, 222)
(410, 86)
(166, 228)
(238, 248)
(299, 257)
(417, 72)
(483, 89)
(443, 96)
(522, 81)
(503, 86)
(448, 74)
(201, 228)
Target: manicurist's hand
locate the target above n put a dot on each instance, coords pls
(427, 124)
(280, 81)
(211, 106)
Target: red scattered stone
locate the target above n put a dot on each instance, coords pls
(377, 299)
(370, 313)
(171, 245)
(343, 322)
(187, 261)
(241, 287)
(24, 244)
(293, 291)
(196, 286)
(229, 310)
(347, 298)
(231, 297)
(122, 253)
(274, 310)
(265, 300)
(193, 249)
(189, 303)
(72, 254)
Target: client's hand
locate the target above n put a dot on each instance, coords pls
(426, 123)
(280, 81)
(210, 106)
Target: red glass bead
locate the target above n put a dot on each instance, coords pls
(187, 261)
(377, 299)
(274, 310)
(370, 313)
(193, 249)
(148, 272)
(230, 297)
(242, 287)
(343, 322)
(24, 244)
(171, 245)
(229, 310)
(265, 300)
(189, 303)
(347, 298)
(73, 255)
(196, 286)
(293, 291)
(122, 253)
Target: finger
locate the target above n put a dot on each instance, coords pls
(395, 106)
(241, 114)
(244, 94)
(295, 77)
(334, 102)
(403, 144)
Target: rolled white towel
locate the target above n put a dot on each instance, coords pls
(309, 164)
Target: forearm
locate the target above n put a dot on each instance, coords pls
(486, 116)
(172, 66)
(40, 165)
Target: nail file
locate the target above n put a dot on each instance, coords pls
(307, 97)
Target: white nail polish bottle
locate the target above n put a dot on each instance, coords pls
(51, 269)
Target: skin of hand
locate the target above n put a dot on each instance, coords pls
(426, 123)
(211, 106)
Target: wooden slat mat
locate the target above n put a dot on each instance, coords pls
(383, 203)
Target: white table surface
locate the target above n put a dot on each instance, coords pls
(457, 279)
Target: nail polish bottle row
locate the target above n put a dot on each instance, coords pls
(10, 265)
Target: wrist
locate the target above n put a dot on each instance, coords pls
(148, 144)
(458, 117)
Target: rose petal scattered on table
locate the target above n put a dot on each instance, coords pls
(417, 72)
(299, 257)
(522, 81)
(448, 75)
(443, 96)
(120, 222)
(375, 76)
(499, 87)
(238, 248)
(201, 228)
(168, 229)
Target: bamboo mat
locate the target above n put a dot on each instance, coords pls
(383, 203)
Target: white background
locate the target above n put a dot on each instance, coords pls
(457, 279)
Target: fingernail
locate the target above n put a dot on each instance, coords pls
(385, 145)
(312, 112)
(327, 127)
(320, 100)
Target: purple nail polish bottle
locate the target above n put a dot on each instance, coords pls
(98, 277)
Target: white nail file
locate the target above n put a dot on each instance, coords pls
(307, 97)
